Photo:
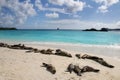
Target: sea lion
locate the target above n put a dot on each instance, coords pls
(90, 57)
(89, 69)
(28, 48)
(97, 59)
(48, 51)
(104, 63)
(77, 70)
(17, 46)
(50, 68)
(70, 68)
(35, 50)
(62, 53)
(3, 45)
(78, 56)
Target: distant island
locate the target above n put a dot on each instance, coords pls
(7, 28)
(102, 29)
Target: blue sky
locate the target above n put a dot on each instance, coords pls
(65, 14)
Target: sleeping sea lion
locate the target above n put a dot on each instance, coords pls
(77, 70)
(78, 56)
(50, 68)
(97, 59)
(62, 53)
(70, 68)
(89, 69)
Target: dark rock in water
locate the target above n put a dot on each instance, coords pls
(70, 68)
(7, 28)
(89, 69)
(92, 29)
(77, 70)
(62, 53)
(104, 29)
(50, 68)
(78, 56)
(97, 59)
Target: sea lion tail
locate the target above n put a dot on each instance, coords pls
(96, 70)
(111, 66)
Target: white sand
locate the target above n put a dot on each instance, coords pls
(18, 65)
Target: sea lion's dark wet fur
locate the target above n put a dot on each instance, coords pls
(62, 53)
(70, 68)
(78, 56)
(50, 68)
(77, 70)
(48, 51)
(89, 69)
(97, 59)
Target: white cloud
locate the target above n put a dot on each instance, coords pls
(52, 15)
(72, 6)
(103, 9)
(105, 4)
(39, 5)
(77, 24)
(118, 23)
(69, 6)
(57, 2)
(17, 12)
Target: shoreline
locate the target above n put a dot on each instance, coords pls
(105, 50)
(115, 46)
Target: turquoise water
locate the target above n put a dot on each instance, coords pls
(67, 36)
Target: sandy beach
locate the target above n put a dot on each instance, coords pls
(19, 65)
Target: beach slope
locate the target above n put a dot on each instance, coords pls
(19, 65)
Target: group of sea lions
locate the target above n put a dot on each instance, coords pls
(79, 70)
(71, 68)
(16, 46)
(35, 50)
(95, 58)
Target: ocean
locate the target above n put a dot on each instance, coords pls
(65, 36)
